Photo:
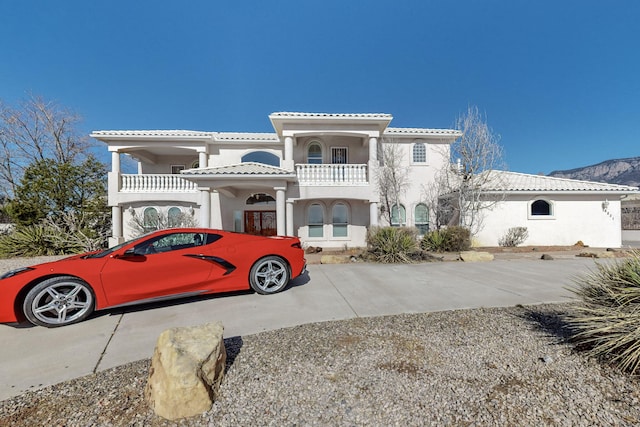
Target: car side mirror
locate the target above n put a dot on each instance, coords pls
(130, 252)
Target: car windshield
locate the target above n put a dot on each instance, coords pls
(115, 248)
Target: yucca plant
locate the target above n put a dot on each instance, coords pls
(607, 320)
(392, 244)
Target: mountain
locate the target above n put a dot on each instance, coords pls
(616, 171)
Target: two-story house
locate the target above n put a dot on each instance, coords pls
(314, 177)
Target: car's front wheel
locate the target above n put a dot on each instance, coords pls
(59, 301)
(269, 275)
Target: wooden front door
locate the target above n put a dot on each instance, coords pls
(262, 223)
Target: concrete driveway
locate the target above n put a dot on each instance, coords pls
(34, 357)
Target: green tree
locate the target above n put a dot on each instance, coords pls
(50, 189)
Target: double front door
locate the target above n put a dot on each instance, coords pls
(262, 223)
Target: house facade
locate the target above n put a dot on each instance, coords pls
(314, 177)
(556, 211)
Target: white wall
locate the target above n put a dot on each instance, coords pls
(575, 218)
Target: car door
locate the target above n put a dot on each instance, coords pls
(165, 265)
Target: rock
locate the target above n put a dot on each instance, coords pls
(546, 257)
(475, 256)
(186, 370)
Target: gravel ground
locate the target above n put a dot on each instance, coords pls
(509, 366)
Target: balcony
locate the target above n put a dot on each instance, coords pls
(332, 174)
(156, 183)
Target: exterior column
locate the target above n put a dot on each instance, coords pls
(280, 211)
(116, 226)
(115, 162)
(373, 148)
(287, 162)
(205, 208)
(373, 214)
(289, 218)
(216, 217)
(202, 159)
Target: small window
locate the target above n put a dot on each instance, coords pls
(541, 208)
(174, 217)
(340, 220)
(419, 153)
(422, 218)
(262, 157)
(150, 220)
(339, 155)
(316, 220)
(261, 199)
(314, 154)
(398, 217)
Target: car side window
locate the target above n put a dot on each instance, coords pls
(174, 242)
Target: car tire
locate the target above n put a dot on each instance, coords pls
(269, 275)
(59, 301)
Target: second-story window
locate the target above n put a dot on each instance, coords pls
(339, 155)
(419, 153)
(263, 157)
(314, 153)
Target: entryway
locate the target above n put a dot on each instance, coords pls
(262, 223)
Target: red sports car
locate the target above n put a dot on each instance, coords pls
(161, 265)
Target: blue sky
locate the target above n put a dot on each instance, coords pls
(559, 81)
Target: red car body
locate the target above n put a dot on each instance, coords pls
(164, 264)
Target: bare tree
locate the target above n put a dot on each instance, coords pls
(36, 130)
(392, 177)
(458, 193)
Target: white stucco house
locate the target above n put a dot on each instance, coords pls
(313, 177)
(556, 211)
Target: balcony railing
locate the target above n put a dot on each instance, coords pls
(332, 174)
(156, 183)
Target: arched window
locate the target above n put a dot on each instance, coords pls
(419, 153)
(314, 153)
(150, 219)
(340, 220)
(398, 216)
(541, 207)
(315, 220)
(260, 199)
(262, 157)
(174, 217)
(421, 216)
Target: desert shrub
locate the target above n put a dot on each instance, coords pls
(606, 322)
(450, 239)
(72, 234)
(392, 244)
(513, 237)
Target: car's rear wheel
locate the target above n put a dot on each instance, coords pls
(59, 301)
(269, 275)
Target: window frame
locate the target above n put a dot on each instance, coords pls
(424, 153)
(550, 215)
(316, 225)
(420, 224)
(401, 209)
(315, 159)
(340, 225)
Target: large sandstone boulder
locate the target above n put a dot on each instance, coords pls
(186, 370)
(475, 256)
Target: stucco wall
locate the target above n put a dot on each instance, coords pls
(575, 218)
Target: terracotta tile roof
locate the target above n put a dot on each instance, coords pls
(422, 132)
(248, 168)
(515, 182)
(151, 133)
(334, 115)
(246, 136)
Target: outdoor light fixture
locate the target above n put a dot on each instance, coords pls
(131, 210)
(605, 205)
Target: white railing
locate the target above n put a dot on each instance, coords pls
(156, 183)
(331, 174)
